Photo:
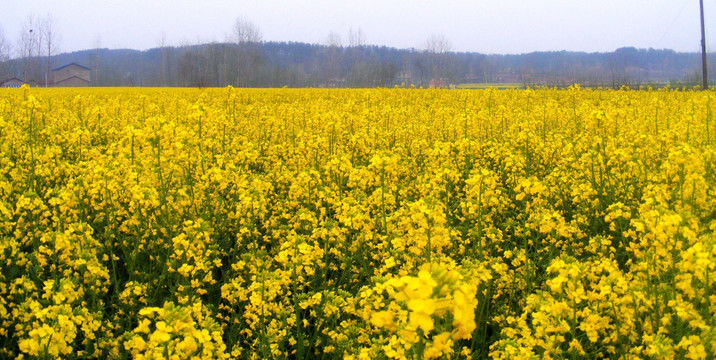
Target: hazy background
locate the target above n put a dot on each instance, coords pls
(490, 27)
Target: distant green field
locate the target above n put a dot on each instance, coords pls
(490, 86)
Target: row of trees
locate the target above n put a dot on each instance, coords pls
(245, 60)
(37, 43)
(242, 60)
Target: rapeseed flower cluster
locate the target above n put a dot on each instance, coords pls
(426, 313)
(377, 223)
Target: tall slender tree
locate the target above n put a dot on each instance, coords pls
(5, 48)
(332, 61)
(247, 36)
(49, 40)
(437, 47)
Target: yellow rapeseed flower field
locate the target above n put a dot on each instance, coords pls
(357, 224)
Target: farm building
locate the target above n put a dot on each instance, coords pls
(71, 74)
(11, 83)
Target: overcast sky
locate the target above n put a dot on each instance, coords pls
(486, 26)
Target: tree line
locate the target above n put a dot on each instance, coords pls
(245, 60)
(37, 45)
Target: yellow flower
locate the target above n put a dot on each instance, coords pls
(143, 327)
(187, 346)
(424, 306)
(420, 320)
(383, 319)
(441, 345)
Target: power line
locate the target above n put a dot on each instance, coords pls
(668, 28)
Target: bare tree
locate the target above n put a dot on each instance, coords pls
(331, 67)
(437, 46)
(356, 38)
(5, 47)
(37, 43)
(420, 63)
(164, 51)
(334, 40)
(247, 36)
(27, 46)
(356, 63)
(245, 31)
(50, 39)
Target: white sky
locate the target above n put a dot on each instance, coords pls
(494, 26)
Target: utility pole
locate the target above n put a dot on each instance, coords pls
(703, 48)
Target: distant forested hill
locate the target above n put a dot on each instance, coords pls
(276, 64)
